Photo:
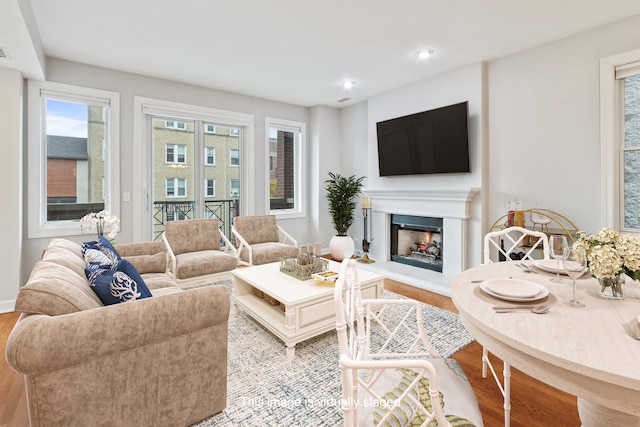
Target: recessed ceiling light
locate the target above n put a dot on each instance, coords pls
(424, 53)
(348, 84)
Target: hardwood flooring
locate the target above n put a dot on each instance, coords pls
(532, 403)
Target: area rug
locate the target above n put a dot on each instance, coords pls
(264, 389)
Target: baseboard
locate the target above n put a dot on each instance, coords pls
(7, 306)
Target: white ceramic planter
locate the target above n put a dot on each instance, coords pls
(341, 247)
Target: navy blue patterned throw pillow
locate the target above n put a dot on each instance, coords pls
(118, 283)
(100, 252)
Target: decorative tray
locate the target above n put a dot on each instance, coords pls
(291, 267)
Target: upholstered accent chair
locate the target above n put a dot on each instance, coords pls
(391, 373)
(260, 240)
(195, 251)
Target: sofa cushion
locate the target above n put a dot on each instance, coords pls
(149, 263)
(73, 247)
(257, 228)
(66, 258)
(100, 252)
(54, 290)
(121, 283)
(201, 263)
(264, 253)
(158, 280)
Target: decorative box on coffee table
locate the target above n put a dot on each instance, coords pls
(308, 308)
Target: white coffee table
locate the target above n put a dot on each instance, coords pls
(308, 308)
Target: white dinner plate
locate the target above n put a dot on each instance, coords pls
(511, 288)
(549, 265)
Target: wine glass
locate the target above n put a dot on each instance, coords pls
(557, 244)
(574, 263)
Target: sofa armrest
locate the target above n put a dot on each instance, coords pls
(41, 343)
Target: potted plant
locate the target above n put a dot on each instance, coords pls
(341, 192)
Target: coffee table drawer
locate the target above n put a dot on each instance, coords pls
(323, 312)
(317, 313)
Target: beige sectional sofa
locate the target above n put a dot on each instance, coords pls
(155, 361)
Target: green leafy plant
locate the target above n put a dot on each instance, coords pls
(341, 192)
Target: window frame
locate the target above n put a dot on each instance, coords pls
(174, 124)
(206, 156)
(300, 149)
(143, 108)
(232, 187)
(206, 187)
(37, 224)
(176, 154)
(176, 188)
(611, 140)
(232, 157)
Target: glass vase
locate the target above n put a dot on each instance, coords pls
(611, 287)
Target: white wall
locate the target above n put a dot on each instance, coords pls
(544, 123)
(458, 86)
(323, 157)
(11, 175)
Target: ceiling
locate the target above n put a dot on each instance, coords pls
(294, 51)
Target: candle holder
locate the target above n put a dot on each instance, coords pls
(366, 209)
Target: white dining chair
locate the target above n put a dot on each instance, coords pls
(504, 243)
(391, 373)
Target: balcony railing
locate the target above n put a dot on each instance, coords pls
(223, 210)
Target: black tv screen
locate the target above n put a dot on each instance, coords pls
(430, 142)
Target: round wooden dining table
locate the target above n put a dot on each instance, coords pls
(582, 351)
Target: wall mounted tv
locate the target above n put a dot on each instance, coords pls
(431, 142)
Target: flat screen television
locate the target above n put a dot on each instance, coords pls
(431, 142)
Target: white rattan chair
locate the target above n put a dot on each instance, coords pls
(391, 374)
(504, 243)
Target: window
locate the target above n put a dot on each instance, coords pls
(175, 153)
(620, 143)
(176, 187)
(210, 156)
(285, 157)
(176, 216)
(209, 187)
(72, 156)
(175, 125)
(194, 188)
(234, 132)
(234, 186)
(630, 171)
(234, 157)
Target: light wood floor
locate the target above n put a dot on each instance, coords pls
(532, 402)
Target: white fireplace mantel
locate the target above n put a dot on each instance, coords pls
(453, 206)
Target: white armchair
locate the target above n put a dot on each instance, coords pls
(391, 374)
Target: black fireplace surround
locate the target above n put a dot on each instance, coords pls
(417, 241)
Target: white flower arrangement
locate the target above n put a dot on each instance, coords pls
(100, 222)
(609, 253)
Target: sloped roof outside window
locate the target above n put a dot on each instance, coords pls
(67, 147)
